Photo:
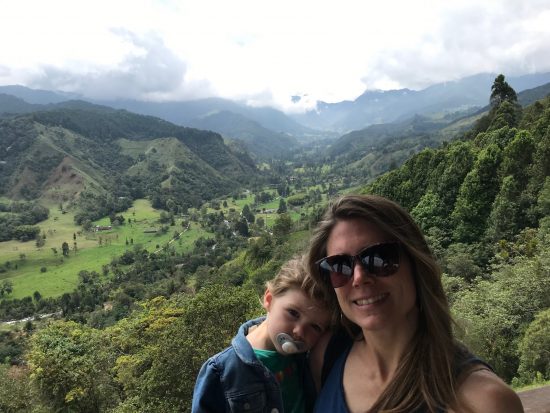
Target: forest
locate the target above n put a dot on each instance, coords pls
(131, 337)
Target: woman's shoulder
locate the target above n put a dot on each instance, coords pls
(481, 390)
(325, 353)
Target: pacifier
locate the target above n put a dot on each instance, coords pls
(289, 345)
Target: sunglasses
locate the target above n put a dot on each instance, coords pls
(380, 260)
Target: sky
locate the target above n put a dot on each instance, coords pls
(284, 53)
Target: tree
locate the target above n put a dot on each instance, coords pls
(282, 227)
(502, 220)
(164, 344)
(282, 207)
(534, 349)
(476, 196)
(40, 241)
(70, 364)
(501, 91)
(247, 213)
(16, 392)
(6, 287)
(494, 312)
(242, 227)
(65, 249)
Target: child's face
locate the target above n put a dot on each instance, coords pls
(297, 315)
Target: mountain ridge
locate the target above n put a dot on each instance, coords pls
(372, 106)
(59, 153)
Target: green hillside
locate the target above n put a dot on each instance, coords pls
(58, 154)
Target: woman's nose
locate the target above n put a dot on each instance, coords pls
(360, 275)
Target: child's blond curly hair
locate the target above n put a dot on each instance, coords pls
(294, 275)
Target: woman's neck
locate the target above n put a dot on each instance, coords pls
(384, 348)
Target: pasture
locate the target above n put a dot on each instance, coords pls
(88, 250)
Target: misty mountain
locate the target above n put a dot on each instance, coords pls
(185, 113)
(257, 140)
(38, 96)
(10, 104)
(372, 107)
(529, 96)
(376, 107)
(265, 131)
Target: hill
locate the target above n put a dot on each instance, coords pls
(75, 146)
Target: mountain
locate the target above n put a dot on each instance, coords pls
(529, 96)
(328, 119)
(265, 131)
(10, 104)
(188, 113)
(375, 107)
(77, 146)
(377, 148)
(38, 96)
(260, 141)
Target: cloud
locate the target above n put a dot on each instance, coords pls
(149, 71)
(511, 38)
(267, 52)
(4, 71)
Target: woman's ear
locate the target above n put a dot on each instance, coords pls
(268, 298)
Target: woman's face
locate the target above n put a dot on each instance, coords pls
(373, 303)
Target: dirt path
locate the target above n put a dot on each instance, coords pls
(536, 400)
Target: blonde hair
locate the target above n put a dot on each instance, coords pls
(294, 275)
(425, 376)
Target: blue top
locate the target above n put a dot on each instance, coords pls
(234, 380)
(331, 398)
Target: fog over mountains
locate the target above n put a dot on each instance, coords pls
(237, 120)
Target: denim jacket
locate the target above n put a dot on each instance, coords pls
(235, 381)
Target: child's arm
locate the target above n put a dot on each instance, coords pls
(208, 394)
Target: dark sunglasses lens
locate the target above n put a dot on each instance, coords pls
(338, 268)
(381, 260)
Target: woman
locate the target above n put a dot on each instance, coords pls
(401, 356)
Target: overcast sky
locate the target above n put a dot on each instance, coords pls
(265, 51)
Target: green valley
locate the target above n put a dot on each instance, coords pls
(159, 239)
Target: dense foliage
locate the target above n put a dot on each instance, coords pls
(18, 220)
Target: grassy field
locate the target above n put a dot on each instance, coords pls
(93, 249)
(96, 249)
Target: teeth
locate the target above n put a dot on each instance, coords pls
(370, 300)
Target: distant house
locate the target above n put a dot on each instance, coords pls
(102, 228)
